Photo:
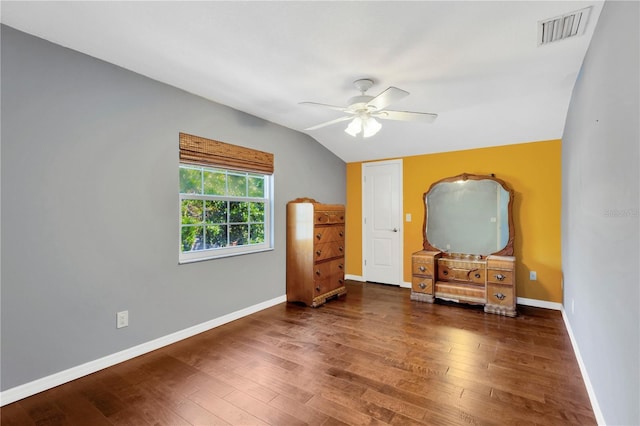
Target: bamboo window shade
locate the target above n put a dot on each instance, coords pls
(208, 152)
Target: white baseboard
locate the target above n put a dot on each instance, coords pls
(536, 303)
(22, 391)
(585, 375)
(354, 277)
(359, 278)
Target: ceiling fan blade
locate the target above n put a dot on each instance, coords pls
(423, 117)
(337, 108)
(328, 123)
(386, 98)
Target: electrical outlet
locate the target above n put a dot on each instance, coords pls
(122, 319)
(573, 305)
(407, 217)
(533, 275)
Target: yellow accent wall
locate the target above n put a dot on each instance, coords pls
(532, 169)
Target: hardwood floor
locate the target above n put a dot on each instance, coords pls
(370, 357)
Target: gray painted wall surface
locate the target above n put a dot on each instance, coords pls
(600, 213)
(90, 208)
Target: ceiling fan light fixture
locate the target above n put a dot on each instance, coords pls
(370, 127)
(354, 127)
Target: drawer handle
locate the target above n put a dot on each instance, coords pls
(422, 268)
(318, 252)
(318, 288)
(319, 235)
(340, 248)
(500, 296)
(340, 266)
(500, 277)
(422, 285)
(445, 272)
(318, 272)
(341, 234)
(340, 280)
(477, 275)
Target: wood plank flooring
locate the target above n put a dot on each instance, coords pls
(372, 357)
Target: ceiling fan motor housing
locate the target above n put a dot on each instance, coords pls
(358, 103)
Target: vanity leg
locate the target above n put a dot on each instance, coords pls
(422, 297)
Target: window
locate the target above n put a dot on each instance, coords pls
(223, 212)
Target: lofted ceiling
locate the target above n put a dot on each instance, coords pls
(477, 64)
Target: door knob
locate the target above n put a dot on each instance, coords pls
(395, 229)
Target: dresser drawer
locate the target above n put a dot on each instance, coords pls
(500, 276)
(500, 295)
(327, 217)
(328, 276)
(326, 234)
(324, 251)
(328, 269)
(422, 285)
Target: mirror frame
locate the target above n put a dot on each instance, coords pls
(508, 248)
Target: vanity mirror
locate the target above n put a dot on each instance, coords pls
(469, 214)
(468, 237)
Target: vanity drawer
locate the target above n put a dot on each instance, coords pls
(501, 262)
(324, 217)
(500, 295)
(500, 276)
(421, 268)
(422, 285)
(449, 273)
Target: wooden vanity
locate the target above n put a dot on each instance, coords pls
(472, 214)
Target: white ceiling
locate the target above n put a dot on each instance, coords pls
(475, 63)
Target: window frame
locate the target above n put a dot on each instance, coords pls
(228, 251)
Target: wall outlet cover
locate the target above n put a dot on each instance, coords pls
(122, 319)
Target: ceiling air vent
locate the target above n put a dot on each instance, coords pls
(566, 26)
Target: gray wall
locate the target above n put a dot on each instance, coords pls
(90, 208)
(600, 213)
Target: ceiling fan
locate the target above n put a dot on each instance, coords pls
(363, 110)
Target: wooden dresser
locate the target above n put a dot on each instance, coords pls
(315, 251)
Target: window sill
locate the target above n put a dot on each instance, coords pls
(222, 256)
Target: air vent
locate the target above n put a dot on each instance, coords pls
(561, 27)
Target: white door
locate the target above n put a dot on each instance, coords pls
(382, 221)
